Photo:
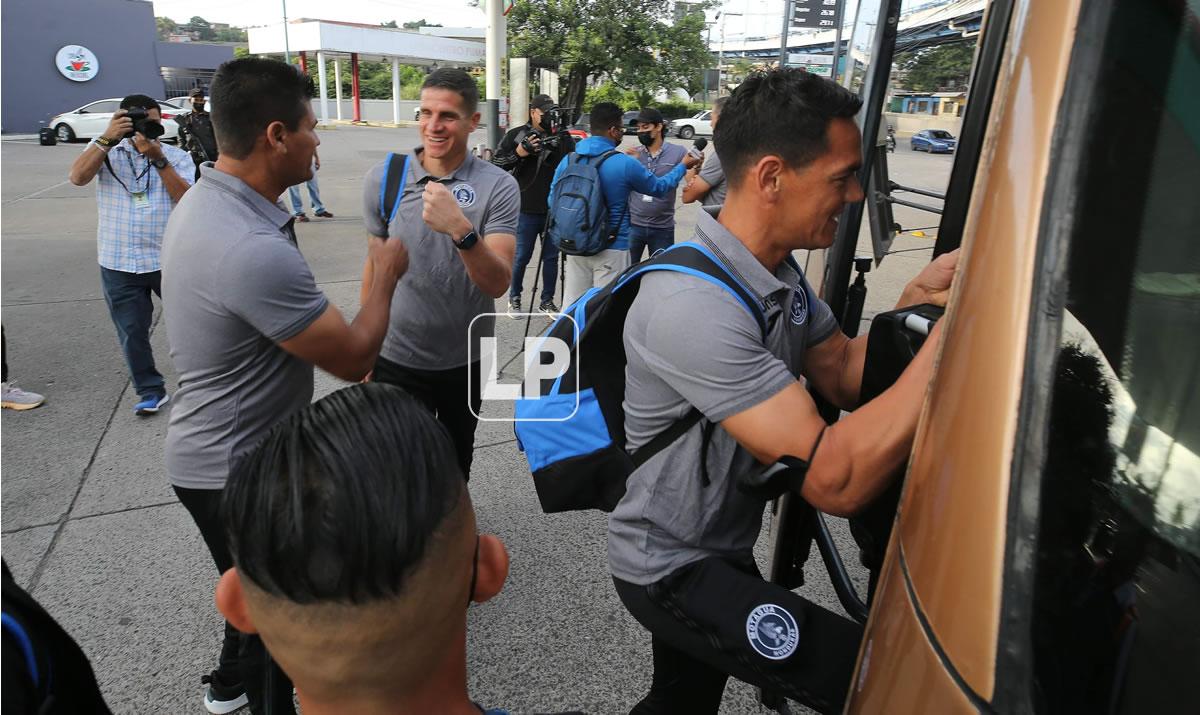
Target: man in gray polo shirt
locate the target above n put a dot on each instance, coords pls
(652, 218)
(246, 321)
(458, 218)
(708, 184)
(681, 540)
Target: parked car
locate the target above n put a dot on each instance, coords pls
(90, 120)
(629, 119)
(582, 127)
(934, 141)
(699, 124)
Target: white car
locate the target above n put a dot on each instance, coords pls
(700, 124)
(90, 120)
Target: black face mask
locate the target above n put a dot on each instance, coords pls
(646, 138)
(198, 106)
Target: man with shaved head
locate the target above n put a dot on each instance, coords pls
(356, 555)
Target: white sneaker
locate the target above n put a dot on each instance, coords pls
(17, 399)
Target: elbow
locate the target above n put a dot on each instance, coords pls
(832, 494)
(76, 178)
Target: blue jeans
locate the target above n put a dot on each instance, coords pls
(656, 239)
(528, 228)
(132, 311)
(314, 194)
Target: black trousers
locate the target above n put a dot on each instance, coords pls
(450, 394)
(717, 618)
(244, 658)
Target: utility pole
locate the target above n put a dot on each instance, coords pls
(494, 51)
(287, 53)
(721, 54)
(783, 35)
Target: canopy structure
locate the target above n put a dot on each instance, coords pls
(337, 40)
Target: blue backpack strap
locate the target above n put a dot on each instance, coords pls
(696, 260)
(395, 175)
(14, 628)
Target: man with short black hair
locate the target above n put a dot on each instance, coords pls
(138, 182)
(619, 175)
(680, 542)
(708, 184)
(356, 565)
(457, 215)
(526, 151)
(247, 322)
(652, 218)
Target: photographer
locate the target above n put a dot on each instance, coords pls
(530, 153)
(138, 182)
(681, 541)
(196, 133)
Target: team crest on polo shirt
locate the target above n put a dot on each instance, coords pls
(799, 305)
(772, 632)
(463, 194)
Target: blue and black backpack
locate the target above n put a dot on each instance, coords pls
(578, 219)
(573, 433)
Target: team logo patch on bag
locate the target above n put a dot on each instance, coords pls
(463, 194)
(772, 631)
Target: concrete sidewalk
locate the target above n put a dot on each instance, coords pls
(92, 528)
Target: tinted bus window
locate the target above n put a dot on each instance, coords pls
(1116, 625)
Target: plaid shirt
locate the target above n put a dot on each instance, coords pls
(129, 236)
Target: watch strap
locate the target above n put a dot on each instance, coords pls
(160, 163)
(467, 241)
(104, 142)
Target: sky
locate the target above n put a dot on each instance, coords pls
(758, 17)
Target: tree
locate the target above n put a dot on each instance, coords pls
(934, 69)
(390, 24)
(166, 27)
(418, 24)
(628, 42)
(202, 28)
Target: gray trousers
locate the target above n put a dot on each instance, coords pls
(584, 272)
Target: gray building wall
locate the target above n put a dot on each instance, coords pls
(122, 35)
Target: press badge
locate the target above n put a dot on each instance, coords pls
(141, 200)
(647, 198)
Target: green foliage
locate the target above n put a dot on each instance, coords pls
(629, 100)
(374, 79)
(199, 28)
(166, 27)
(418, 24)
(390, 24)
(935, 69)
(631, 43)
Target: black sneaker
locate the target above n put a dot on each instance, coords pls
(549, 307)
(221, 698)
(514, 306)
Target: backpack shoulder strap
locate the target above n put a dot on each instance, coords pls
(696, 260)
(395, 175)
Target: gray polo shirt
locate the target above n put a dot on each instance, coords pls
(234, 287)
(656, 211)
(690, 342)
(714, 175)
(436, 300)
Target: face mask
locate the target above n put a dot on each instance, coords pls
(198, 106)
(646, 138)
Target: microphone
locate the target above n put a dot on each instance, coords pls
(698, 147)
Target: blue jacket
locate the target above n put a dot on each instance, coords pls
(619, 175)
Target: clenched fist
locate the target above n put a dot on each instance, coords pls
(442, 213)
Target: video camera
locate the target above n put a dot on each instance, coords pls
(555, 122)
(143, 124)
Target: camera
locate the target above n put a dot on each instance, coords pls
(143, 124)
(555, 122)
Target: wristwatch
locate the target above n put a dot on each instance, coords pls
(467, 241)
(160, 163)
(105, 142)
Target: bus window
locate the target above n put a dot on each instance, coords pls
(1116, 620)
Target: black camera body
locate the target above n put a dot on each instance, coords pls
(555, 122)
(143, 124)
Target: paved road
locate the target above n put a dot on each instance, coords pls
(90, 523)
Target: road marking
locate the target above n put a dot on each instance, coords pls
(37, 193)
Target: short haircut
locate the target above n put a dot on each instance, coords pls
(455, 80)
(341, 501)
(140, 100)
(248, 94)
(785, 112)
(605, 116)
